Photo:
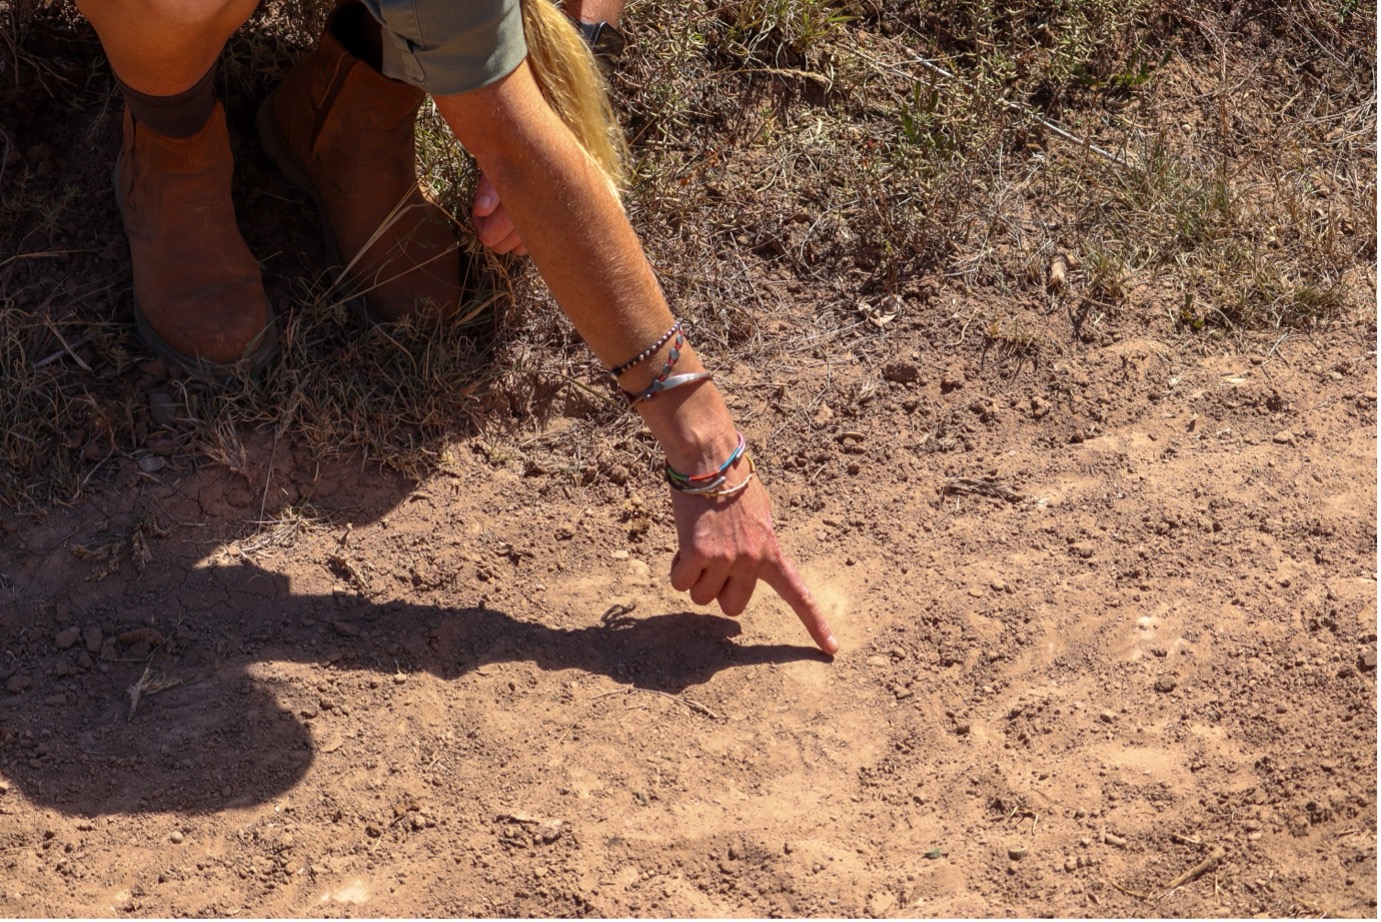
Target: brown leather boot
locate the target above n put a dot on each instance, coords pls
(198, 294)
(343, 132)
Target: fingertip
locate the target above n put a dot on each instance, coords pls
(829, 644)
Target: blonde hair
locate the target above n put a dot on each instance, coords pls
(572, 85)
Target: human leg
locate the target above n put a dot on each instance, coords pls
(343, 132)
(198, 292)
(163, 47)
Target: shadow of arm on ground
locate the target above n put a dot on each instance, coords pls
(218, 723)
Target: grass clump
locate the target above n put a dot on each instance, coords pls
(807, 172)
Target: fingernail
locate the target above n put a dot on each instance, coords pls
(831, 645)
(484, 201)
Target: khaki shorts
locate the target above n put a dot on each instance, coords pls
(450, 46)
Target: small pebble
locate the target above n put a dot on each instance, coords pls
(68, 637)
(1016, 852)
(176, 837)
(1166, 684)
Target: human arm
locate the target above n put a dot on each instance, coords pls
(567, 216)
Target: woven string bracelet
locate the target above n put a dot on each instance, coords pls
(647, 353)
(717, 490)
(688, 483)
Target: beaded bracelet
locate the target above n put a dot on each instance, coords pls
(717, 490)
(691, 483)
(659, 385)
(647, 353)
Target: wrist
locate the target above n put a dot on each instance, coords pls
(693, 427)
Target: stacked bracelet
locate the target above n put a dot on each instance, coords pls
(710, 484)
(717, 489)
(650, 351)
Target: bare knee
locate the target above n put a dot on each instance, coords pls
(179, 15)
(207, 13)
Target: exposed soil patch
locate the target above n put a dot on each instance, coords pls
(1125, 618)
(1105, 580)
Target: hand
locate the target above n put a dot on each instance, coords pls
(492, 223)
(726, 546)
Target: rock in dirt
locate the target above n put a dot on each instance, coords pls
(1367, 661)
(901, 372)
(93, 639)
(66, 638)
(175, 838)
(1016, 852)
(1284, 437)
(145, 635)
(1166, 684)
(18, 684)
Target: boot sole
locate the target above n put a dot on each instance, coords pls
(276, 146)
(259, 352)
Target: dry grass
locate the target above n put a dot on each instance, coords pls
(801, 166)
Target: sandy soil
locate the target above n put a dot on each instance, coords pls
(1107, 606)
(1107, 621)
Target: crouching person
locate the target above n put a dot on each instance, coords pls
(521, 92)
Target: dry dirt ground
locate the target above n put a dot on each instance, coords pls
(1125, 624)
(1107, 604)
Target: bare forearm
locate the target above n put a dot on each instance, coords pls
(590, 259)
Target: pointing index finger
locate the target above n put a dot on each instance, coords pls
(785, 580)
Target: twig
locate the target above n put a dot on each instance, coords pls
(1200, 869)
(691, 703)
(66, 350)
(984, 486)
(1135, 893)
